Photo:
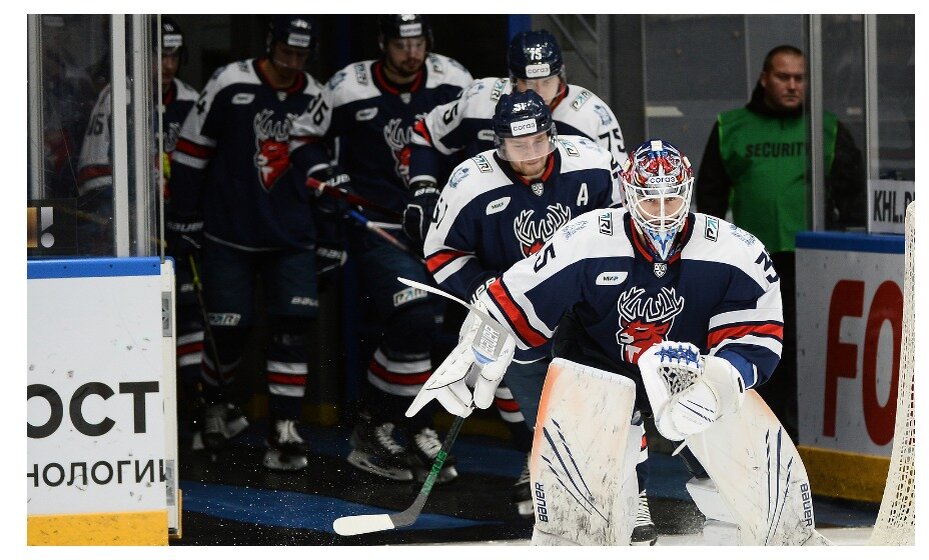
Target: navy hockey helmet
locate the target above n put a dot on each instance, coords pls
(524, 118)
(533, 55)
(293, 30)
(657, 185)
(172, 39)
(401, 26)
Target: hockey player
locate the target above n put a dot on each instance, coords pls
(370, 107)
(462, 128)
(231, 178)
(687, 307)
(501, 206)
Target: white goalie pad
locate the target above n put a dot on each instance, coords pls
(584, 453)
(759, 475)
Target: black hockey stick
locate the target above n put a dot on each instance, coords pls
(208, 331)
(327, 190)
(361, 524)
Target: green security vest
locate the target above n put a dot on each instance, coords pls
(766, 159)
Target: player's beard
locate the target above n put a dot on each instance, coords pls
(408, 67)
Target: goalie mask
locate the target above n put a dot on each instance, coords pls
(657, 184)
(534, 60)
(523, 127)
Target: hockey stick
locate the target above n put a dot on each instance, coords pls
(371, 226)
(208, 331)
(325, 189)
(361, 524)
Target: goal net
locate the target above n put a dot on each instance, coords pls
(895, 523)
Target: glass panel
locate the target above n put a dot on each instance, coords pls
(896, 88)
(843, 87)
(697, 66)
(70, 67)
(73, 135)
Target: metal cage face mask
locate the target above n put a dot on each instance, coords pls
(658, 186)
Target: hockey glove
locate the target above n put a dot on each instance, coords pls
(687, 391)
(183, 238)
(417, 216)
(484, 351)
(328, 203)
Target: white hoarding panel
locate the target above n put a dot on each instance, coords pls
(95, 418)
(849, 316)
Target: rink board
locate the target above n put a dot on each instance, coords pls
(849, 317)
(101, 458)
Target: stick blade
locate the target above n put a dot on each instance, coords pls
(361, 524)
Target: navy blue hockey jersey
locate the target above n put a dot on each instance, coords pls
(232, 161)
(489, 217)
(372, 120)
(720, 292)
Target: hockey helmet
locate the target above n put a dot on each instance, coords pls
(172, 38)
(293, 30)
(657, 185)
(533, 55)
(401, 26)
(523, 126)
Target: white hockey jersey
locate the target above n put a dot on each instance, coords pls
(95, 170)
(720, 293)
(465, 125)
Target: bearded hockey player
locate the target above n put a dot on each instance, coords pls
(674, 313)
(233, 192)
(369, 108)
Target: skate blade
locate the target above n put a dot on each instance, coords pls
(644, 536)
(363, 461)
(236, 427)
(275, 461)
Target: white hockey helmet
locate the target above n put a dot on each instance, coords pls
(658, 184)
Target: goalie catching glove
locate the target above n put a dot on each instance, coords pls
(484, 351)
(687, 391)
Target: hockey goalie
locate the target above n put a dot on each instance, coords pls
(652, 308)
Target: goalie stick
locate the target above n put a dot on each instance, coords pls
(361, 524)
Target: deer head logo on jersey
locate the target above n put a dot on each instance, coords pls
(644, 321)
(272, 155)
(532, 234)
(397, 138)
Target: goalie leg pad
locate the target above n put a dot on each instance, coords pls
(582, 466)
(759, 475)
